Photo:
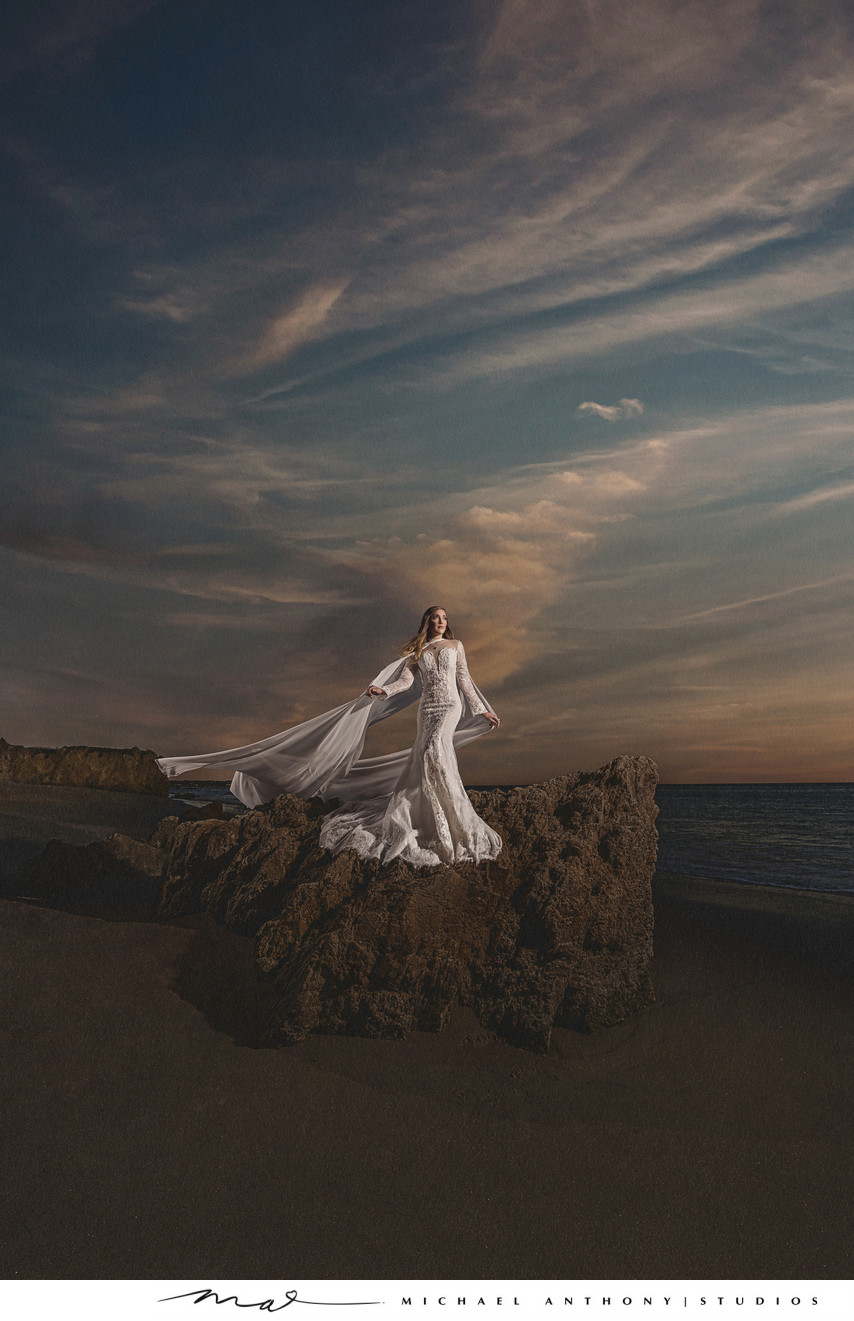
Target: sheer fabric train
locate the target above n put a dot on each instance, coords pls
(409, 804)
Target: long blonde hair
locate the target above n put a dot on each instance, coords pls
(417, 642)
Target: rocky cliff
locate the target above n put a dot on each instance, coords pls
(556, 932)
(124, 770)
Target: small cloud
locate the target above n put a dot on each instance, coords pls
(618, 483)
(169, 306)
(295, 327)
(612, 412)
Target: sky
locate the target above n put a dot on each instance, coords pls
(316, 314)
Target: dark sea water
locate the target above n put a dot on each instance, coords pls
(204, 791)
(799, 836)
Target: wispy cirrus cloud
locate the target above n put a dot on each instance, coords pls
(771, 596)
(297, 326)
(838, 491)
(273, 364)
(559, 189)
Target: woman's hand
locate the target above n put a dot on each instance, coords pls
(373, 691)
(493, 719)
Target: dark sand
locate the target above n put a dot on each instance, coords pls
(146, 1136)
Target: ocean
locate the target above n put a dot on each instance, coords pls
(794, 836)
(798, 836)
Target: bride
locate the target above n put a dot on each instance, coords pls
(411, 804)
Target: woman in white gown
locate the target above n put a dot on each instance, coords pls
(428, 818)
(410, 805)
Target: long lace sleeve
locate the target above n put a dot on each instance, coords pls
(399, 685)
(465, 684)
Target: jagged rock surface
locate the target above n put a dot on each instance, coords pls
(124, 770)
(557, 931)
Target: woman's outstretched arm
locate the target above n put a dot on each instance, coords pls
(406, 680)
(468, 689)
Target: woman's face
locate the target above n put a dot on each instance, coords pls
(437, 624)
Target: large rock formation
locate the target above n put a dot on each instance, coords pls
(125, 770)
(556, 931)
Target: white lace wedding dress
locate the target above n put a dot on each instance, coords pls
(428, 818)
(409, 804)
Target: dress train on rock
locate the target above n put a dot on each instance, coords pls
(410, 804)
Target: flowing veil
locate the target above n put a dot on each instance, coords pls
(320, 758)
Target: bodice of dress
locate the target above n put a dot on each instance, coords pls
(443, 671)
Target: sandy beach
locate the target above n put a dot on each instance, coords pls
(147, 1135)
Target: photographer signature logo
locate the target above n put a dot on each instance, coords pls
(265, 1304)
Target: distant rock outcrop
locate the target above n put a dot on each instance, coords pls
(115, 876)
(557, 931)
(124, 770)
(63, 868)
